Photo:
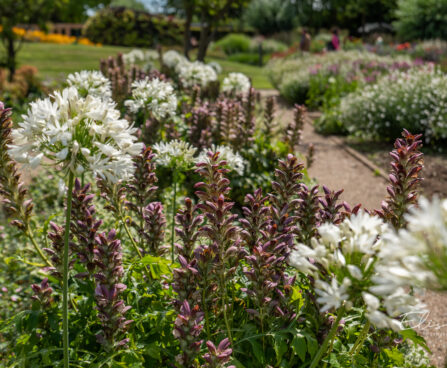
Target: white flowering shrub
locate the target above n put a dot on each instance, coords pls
(236, 83)
(175, 154)
(80, 134)
(91, 83)
(415, 100)
(156, 96)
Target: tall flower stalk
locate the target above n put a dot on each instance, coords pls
(77, 134)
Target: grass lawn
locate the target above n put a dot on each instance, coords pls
(55, 61)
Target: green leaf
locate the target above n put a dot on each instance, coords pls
(257, 350)
(153, 351)
(299, 346)
(280, 346)
(413, 336)
(312, 344)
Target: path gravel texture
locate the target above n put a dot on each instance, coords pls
(335, 167)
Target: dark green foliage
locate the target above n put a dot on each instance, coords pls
(126, 27)
(421, 19)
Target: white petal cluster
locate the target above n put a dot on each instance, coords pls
(175, 154)
(80, 134)
(216, 66)
(415, 98)
(233, 159)
(172, 58)
(413, 257)
(355, 259)
(236, 83)
(195, 73)
(155, 95)
(91, 83)
(137, 55)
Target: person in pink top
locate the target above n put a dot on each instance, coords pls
(335, 40)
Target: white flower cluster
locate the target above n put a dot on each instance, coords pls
(216, 66)
(234, 160)
(175, 154)
(137, 55)
(80, 134)
(351, 255)
(416, 100)
(172, 58)
(236, 83)
(195, 73)
(155, 95)
(91, 83)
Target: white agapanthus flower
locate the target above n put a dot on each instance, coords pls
(216, 66)
(233, 159)
(80, 134)
(137, 55)
(155, 95)
(91, 83)
(236, 83)
(172, 58)
(332, 295)
(175, 154)
(195, 73)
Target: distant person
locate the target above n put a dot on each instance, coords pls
(305, 40)
(335, 41)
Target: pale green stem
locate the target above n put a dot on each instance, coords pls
(174, 176)
(65, 271)
(360, 339)
(29, 234)
(328, 339)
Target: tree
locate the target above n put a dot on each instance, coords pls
(271, 16)
(211, 14)
(421, 19)
(76, 11)
(130, 4)
(14, 12)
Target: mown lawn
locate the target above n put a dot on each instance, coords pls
(56, 61)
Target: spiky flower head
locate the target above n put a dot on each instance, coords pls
(155, 95)
(78, 134)
(233, 160)
(236, 83)
(92, 83)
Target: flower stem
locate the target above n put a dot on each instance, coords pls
(360, 339)
(65, 270)
(174, 176)
(328, 339)
(30, 236)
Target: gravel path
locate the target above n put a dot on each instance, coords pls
(336, 168)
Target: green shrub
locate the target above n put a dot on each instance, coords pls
(269, 46)
(271, 16)
(234, 43)
(413, 100)
(421, 19)
(127, 27)
(250, 58)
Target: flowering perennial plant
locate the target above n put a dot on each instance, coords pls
(91, 83)
(79, 134)
(154, 95)
(233, 161)
(195, 73)
(236, 83)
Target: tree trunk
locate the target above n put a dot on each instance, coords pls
(11, 58)
(205, 39)
(189, 9)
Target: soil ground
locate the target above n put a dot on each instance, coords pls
(335, 167)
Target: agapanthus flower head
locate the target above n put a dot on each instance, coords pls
(92, 83)
(137, 55)
(216, 66)
(79, 134)
(174, 154)
(172, 58)
(155, 95)
(195, 73)
(233, 160)
(236, 83)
